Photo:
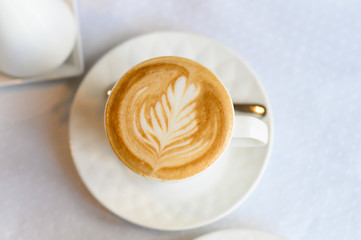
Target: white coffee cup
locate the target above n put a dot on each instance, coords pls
(247, 130)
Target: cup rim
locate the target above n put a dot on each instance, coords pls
(227, 145)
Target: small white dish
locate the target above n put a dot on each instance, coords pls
(240, 234)
(73, 66)
(175, 205)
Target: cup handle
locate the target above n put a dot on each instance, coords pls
(249, 132)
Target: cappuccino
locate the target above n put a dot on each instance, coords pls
(169, 118)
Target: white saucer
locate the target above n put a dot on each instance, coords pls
(240, 234)
(176, 205)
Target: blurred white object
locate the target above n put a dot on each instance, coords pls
(240, 234)
(36, 36)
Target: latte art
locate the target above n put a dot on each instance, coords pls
(169, 118)
(169, 129)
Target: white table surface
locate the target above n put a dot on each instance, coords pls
(306, 53)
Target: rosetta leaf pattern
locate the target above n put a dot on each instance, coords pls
(171, 122)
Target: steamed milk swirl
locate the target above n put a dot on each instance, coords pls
(169, 118)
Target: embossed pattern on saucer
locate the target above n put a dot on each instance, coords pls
(175, 205)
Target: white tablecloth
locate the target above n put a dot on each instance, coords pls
(306, 53)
